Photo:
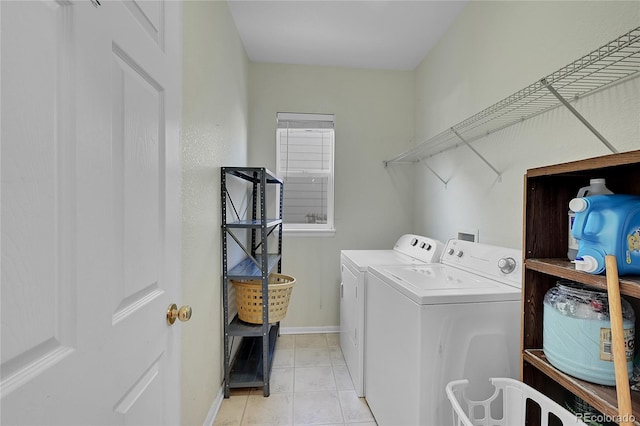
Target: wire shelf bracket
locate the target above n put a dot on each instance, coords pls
(478, 154)
(612, 63)
(424, 163)
(579, 116)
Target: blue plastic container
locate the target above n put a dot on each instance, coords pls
(577, 332)
(607, 224)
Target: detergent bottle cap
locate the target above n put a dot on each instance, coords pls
(578, 205)
(598, 187)
(586, 264)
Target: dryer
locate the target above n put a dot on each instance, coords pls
(410, 249)
(430, 324)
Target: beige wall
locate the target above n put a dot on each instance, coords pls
(214, 134)
(374, 118)
(493, 50)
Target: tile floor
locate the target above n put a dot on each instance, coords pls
(310, 385)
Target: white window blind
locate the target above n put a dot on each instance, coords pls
(305, 152)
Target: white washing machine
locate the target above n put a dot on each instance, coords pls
(430, 324)
(410, 249)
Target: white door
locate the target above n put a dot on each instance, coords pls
(90, 94)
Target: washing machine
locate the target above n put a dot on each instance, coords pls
(410, 249)
(430, 324)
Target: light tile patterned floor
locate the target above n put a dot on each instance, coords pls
(310, 385)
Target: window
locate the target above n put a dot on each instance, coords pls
(304, 156)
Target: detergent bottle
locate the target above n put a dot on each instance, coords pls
(607, 224)
(596, 187)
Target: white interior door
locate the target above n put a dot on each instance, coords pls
(90, 94)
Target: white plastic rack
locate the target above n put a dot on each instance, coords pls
(612, 63)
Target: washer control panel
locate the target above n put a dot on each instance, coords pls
(422, 248)
(498, 263)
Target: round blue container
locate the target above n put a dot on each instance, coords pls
(577, 332)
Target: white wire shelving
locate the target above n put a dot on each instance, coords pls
(612, 63)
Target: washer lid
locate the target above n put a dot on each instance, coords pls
(362, 259)
(438, 284)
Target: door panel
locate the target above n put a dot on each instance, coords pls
(139, 405)
(38, 310)
(90, 212)
(150, 16)
(138, 176)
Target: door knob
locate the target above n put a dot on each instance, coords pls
(183, 314)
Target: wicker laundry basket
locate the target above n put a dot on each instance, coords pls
(249, 298)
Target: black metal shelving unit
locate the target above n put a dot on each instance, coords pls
(250, 365)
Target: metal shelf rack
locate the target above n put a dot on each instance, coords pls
(612, 63)
(250, 365)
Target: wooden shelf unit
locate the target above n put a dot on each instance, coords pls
(548, 191)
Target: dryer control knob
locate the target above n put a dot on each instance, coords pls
(507, 265)
(450, 251)
(459, 253)
(414, 241)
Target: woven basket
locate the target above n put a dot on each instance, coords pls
(249, 298)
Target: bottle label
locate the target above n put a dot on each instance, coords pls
(633, 245)
(606, 350)
(573, 243)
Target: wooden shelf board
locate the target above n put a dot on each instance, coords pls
(563, 268)
(611, 160)
(602, 398)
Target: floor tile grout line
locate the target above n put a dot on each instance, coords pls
(244, 410)
(293, 388)
(344, 419)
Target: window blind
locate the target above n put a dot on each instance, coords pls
(305, 162)
(289, 120)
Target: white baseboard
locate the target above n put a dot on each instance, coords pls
(310, 330)
(215, 407)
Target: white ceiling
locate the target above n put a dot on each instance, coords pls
(377, 34)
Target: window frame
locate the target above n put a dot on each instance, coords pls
(305, 122)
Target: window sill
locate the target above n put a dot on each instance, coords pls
(309, 232)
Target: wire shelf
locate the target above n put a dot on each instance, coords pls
(612, 63)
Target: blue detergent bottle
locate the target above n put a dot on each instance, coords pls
(596, 187)
(607, 224)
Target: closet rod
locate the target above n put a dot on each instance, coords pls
(579, 116)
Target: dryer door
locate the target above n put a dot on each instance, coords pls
(351, 333)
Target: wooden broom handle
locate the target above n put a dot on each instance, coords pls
(617, 339)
